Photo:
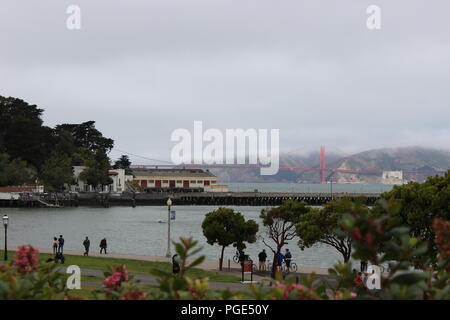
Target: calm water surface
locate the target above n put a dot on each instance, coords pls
(135, 230)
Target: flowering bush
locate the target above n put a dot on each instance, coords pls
(26, 259)
(27, 278)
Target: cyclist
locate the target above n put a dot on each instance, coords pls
(242, 257)
(287, 259)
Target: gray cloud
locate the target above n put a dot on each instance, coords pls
(311, 68)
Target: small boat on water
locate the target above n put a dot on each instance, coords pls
(54, 206)
(50, 205)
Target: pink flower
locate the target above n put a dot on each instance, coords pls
(120, 274)
(26, 259)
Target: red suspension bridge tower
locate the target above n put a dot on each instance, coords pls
(323, 170)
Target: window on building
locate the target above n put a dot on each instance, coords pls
(179, 181)
(165, 181)
(193, 181)
(151, 181)
(199, 181)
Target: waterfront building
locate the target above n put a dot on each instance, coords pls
(176, 178)
(118, 185)
(392, 177)
(153, 180)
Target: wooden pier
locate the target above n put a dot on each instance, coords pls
(29, 200)
(239, 198)
(182, 198)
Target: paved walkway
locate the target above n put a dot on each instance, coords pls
(145, 279)
(208, 265)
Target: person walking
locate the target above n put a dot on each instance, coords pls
(287, 259)
(262, 257)
(55, 245)
(61, 244)
(103, 245)
(86, 244)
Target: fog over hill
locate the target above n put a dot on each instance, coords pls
(386, 159)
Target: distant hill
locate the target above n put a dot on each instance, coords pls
(392, 159)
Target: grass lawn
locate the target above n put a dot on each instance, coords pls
(134, 266)
(85, 292)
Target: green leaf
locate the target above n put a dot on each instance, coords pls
(409, 278)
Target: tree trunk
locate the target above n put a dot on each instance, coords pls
(221, 259)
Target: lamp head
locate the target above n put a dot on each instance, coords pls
(5, 220)
(169, 202)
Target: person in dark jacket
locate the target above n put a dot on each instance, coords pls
(175, 264)
(262, 257)
(363, 266)
(86, 244)
(103, 245)
(287, 259)
(280, 258)
(61, 244)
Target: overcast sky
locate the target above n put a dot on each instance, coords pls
(141, 69)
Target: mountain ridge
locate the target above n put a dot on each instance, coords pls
(411, 158)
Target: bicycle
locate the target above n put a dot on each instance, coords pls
(292, 267)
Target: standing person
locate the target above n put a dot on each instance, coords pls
(175, 264)
(363, 266)
(262, 256)
(86, 244)
(279, 260)
(278, 257)
(287, 259)
(61, 244)
(103, 245)
(55, 245)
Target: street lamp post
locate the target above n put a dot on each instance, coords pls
(5, 224)
(169, 205)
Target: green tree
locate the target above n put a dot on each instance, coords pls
(419, 203)
(123, 163)
(97, 171)
(323, 226)
(225, 227)
(57, 171)
(15, 172)
(280, 224)
(87, 136)
(22, 134)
